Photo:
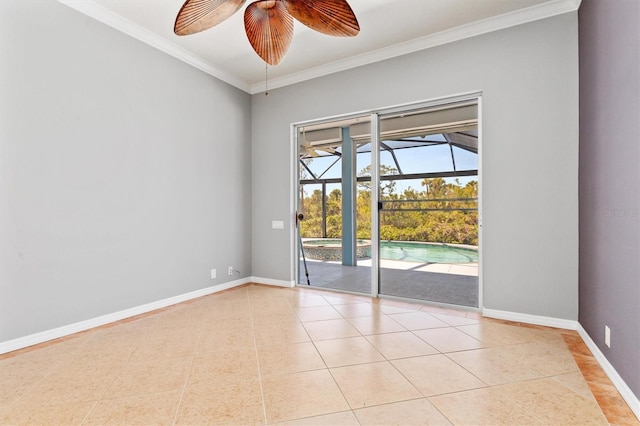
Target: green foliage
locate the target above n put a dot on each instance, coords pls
(387, 187)
(435, 214)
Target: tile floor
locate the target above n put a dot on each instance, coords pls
(265, 355)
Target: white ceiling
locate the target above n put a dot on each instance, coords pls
(388, 28)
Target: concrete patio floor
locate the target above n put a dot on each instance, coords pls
(442, 283)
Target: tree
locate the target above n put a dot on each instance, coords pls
(441, 212)
(387, 187)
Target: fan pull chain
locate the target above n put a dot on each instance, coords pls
(266, 80)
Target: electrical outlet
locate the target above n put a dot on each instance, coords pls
(213, 274)
(230, 270)
(607, 336)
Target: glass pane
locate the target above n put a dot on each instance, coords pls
(327, 234)
(429, 220)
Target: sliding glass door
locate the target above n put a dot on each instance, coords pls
(428, 204)
(334, 239)
(388, 203)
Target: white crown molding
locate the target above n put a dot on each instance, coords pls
(67, 330)
(518, 17)
(500, 22)
(625, 391)
(104, 15)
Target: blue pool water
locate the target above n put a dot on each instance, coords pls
(426, 253)
(406, 251)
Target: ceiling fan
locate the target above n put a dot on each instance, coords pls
(269, 23)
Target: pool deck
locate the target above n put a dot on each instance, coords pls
(469, 269)
(455, 284)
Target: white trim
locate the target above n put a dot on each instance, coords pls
(56, 333)
(277, 283)
(507, 20)
(618, 382)
(496, 23)
(106, 16)
(531, 319)
(429, 103)
(294, 204)
(480, 205)
(374, 124)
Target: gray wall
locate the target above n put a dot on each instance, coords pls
(529, 79)
(610, 180)
(123, 172)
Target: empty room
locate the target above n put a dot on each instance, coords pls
(329, 212)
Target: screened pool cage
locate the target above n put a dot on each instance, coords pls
(410, 159)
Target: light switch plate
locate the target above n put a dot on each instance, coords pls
(277, 224)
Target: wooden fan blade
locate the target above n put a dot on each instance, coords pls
(332, 17)
(269, 28)
(200, 15)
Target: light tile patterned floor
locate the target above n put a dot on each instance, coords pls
(265, 355)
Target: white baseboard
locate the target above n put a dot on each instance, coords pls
(618, 382)
(531, 319)
(56, 333)
(269, 281)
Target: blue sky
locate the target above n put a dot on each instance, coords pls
(412, 160)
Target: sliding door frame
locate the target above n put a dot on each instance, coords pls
(375, 199)
(375, 115)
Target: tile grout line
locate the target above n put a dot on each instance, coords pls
(255, 348)
(389, 361)
(575, 354)
(97, 401)
(30, 388)
(407, 379)
(84, 419)
(76, 351)
(115, 376)
(313, 342)
(325, 363)
(111, 382)
(489, 386)
(186, 382)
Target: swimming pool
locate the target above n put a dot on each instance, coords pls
(331, 249)
(408, 251)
